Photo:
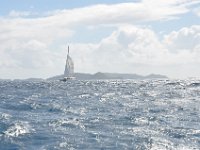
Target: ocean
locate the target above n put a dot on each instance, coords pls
(103, 114)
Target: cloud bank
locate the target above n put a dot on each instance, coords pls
(139, 50)
(35, 46)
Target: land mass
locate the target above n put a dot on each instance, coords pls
(97, 76)
(102, 76)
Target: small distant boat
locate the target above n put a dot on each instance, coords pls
(69, 69)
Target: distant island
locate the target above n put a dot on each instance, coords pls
(97, 76)
(105, 76)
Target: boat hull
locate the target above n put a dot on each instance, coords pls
(67, 79)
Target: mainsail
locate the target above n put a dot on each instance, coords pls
(69, 67)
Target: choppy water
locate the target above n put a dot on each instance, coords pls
(159, 114)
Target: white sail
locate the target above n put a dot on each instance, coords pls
(69, 67)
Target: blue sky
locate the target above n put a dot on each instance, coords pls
(49, 5)
(143, 37)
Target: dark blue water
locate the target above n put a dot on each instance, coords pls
(128, 114)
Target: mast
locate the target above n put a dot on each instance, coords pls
(68, 50)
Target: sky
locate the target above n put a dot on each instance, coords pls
(116, 36)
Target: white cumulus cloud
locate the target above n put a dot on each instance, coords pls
(184, 39)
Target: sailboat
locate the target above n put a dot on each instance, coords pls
(69, 68)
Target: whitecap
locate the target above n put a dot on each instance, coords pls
(5, 116)
(18, 129)
(71, 122)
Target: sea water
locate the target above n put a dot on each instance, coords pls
(107, 114)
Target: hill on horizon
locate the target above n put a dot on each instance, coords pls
(101, 76)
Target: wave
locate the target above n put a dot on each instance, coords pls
(17, 129)
(104, 114)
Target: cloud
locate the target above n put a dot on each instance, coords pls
(185, 39)
(31, 54)
(141, 45)
(24, 29)
(30, 59)
(15, 13)
(144, 11)
(139, 50)
(63, 23)
(128, 49)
